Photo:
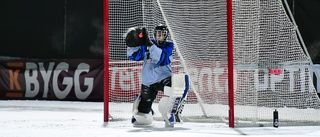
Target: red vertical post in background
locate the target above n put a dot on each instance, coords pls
(106, 60)
(230, 63)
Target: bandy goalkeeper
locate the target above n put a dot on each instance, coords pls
(156, 54)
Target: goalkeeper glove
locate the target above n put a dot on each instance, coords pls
(144, 38)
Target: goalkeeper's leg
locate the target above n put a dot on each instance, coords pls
(142, 112)
(172, 103)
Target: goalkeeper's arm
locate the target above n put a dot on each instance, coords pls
(137, 39)
(136, 53)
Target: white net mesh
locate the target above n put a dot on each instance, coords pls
(271, 70)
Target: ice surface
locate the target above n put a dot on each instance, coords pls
(34, 118)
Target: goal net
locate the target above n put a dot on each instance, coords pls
(271, 70)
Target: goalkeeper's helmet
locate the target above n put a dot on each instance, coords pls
(160, 33)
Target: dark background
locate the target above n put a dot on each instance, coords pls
(73, 29)
(307, 16)
(51, 28)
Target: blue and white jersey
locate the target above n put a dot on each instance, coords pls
(156, 61)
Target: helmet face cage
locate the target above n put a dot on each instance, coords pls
(160, 34)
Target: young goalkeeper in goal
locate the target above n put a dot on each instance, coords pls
(156, 54)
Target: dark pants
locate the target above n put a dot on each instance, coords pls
(149, 93)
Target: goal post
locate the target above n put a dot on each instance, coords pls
(230, 63)
(106, 61)
(243, 58)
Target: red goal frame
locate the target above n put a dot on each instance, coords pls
(230, 62)
(106, 61)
